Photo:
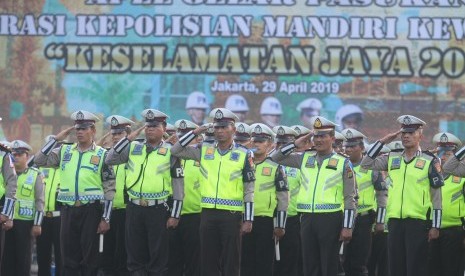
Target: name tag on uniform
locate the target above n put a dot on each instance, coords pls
(67, 157)
(95, 160)
(332, 163)
(266, 171)
(395, 163)
(420, 164)
(456, 179)
(310, 162)
(162, 151)
(234, 156)
(137, 150)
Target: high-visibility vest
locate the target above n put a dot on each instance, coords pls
(25, 195)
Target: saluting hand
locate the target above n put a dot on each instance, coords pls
(302, 142)
(278, 233)
(172, 223)
(63, 134)
(201, 129)
(172, 139)
(390, 137)
(101, 141)
(135, 133)
(246, 227)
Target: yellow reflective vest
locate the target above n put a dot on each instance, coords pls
(265, 200)
(25, 195)
(453, 201)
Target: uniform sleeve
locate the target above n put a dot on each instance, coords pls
(177, 182)
(381, 194)
(454, 166)
(109, 188)
(39, 196)
(248, 177)
(285, 157)
(282, 194)
(349, 192)
(119, 153)
(48, 156)
(372, 161)
(180, 149)
(9, 176)
(436, 180)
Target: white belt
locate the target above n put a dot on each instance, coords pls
(148, 202)
(52, 214)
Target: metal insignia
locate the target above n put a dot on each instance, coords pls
(297, 130)
(16, 145)
(281, 131)
(444, 138)
(150, 115)
(219, 115)
(241, 128)
(317, 123)
(182, 125)
(114, 121)
(258, 130)
(80, 116)
(407, 120)
(349, 134)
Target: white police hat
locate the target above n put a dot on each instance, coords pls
(196, 99)
(446, 139)
(242, 132)
(271, 106)
(170, 129)
(339, 137)
(184, 126)
(395, 145)
(301, 130)
(321, 125)
(284, 134)
(83, 119)
(310, 106)
(261, 132)
(118, 123)
(410, 123)
(353, 137)
(236, 103)
(20, 146)
(154, 117)
(223, 117)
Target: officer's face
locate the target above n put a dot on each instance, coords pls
(154, 133)
(197, 115)
(411, 139)
(20, 159)
(85, 135)
(444, 155)
(354, 152)
(116, 137)
(245, 143)
(262, 147)
(224, 133)
(323, 143)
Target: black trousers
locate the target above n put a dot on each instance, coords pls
(18, 249)
(378, 261)
(147, 239)
(446, 256)
(220, 242)
(258, 248)
(185, 247)
(79, 239)
(358, 249)
(408, 247)
(50, 238)
(289, 246)
(114, 256)
(320, 243)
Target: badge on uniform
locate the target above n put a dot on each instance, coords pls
(209, 154)
(332, 163)
(420, 164)
(95, 160)
(67, 157)
(162, 151)
(234, 156)
(395, 163)
(266, 171)
(137, 150)
(310, 162)
(197, 164)
(456, 179)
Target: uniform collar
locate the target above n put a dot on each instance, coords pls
(91, 148)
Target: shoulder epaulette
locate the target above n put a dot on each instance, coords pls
(429, 154)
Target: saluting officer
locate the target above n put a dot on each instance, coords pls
(86, 182)
(50, 237)
(152, 173)
(28, 214)
(339, 140)
(7, 192)
(185, 239)
(114, 247)
(447, 251)
(371, 193)
(291, 254)
(326, 197)
(414, 186)
(242, 136)
(271, 198)
(226, 193)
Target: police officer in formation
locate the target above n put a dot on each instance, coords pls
(326, 197)
(152, 174)
(227, 189)
(242, 135)
(86, 193)
(271, 199)
(28, 214)
(414, 205)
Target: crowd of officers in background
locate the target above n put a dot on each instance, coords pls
(227, 198)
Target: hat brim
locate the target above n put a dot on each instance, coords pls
(322, 131)
(153, 123)
(261, 138)
(409, 129)
(352, 143)
(241, 138)
(222, 123)
(117, 130)
(84, 125)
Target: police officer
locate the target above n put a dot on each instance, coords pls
(89, 182)
(291, 255)
(170, 130)
(349, 116)
(114, 247)
(7, 192)
(326, 197)
(28, 214)
(185, 239)
(152, 174)
(371, 193)
(271, 198)
(308, 109)
(226, 193)
(271, 111)
(50, 237)
(339, 140)
(414, 186)
(446, 253)
(196, 106)
(237, 104)
(242, 135)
